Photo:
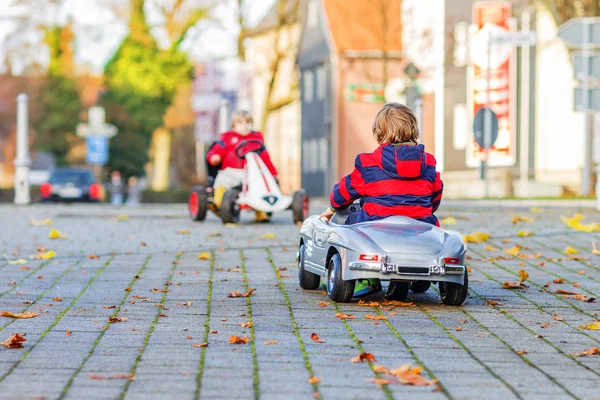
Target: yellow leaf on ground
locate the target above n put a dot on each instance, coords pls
(476, 237)
(121, 218)
(230, 225)
(536, 210)
(521, 218)
(43, 222)
(523, 275)
(524, 233)
(411, 376)
(271, 342)
(570, 250)
(204, 256)
(594, 326)
(575, 223)
(490, 248)
(55, 234)
(183, 232)
(513, 251)
(595, 251)
(47, 255)
(448, 221)
(18, 261)
(269, 236)
(24, 315)
(313, 380)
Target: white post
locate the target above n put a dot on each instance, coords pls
(487, 130)
(22, 161)
(525, 109)
(223, 116)
(585, 91)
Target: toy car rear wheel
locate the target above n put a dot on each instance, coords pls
(197, 204)
(420, 286)
(230, 209)
(397, 291)
(308, 280)
(300, 206)
(454, 294)
(339, 290)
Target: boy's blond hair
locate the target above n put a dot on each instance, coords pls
(395, 123)
(241, 116)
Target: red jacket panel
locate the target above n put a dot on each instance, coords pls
(227, 144)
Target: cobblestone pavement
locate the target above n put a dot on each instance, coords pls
(501, 344)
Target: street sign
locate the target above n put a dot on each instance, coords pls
(515, 38)
(593, 99)
(593, 65)
(96, 124)
(97, 149)
(479, 128)
(573, 32)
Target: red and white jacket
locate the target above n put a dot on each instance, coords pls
(228, 142)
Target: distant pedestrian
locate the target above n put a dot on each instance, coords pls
(133, 191)
(116, 189)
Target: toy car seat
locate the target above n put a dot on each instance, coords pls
(212, 170)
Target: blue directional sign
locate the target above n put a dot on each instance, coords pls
(97, 150)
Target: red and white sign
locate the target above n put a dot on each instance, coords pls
(492, 18)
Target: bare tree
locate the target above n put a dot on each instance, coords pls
(287, 14)
(563, 10)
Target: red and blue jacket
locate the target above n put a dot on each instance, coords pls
(227, 144)
(393, 180)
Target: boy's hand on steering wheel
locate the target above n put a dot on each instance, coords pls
(327, 214)
(215, 160)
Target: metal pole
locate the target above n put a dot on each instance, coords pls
(419, 115)
(223, 116)
(525, 96)
(487, 130)
(585, 90)
(22, 161)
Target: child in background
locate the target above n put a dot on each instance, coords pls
(398, 178)
(232, 167)
(133, 191)
(116, 188)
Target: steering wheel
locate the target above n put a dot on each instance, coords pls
(240, 147)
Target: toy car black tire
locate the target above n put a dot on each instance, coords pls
(339, 290)
(230, 210)
(420, 286)
(454, 294)
(308, 280)
(197, 203)
(397, 291)
(300, 206)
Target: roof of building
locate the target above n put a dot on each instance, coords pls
(359, 25)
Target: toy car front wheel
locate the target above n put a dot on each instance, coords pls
(397, 291)
(339, 290)
(300, 205)
(454, 294)
(420, 286)
(197, 204)
(230, 209)
(308, 280)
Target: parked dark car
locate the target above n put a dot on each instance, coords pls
(71, 185)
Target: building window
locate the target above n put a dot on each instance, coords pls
(308, 86)
(314, 167)
(313, 14)
(323, 154)
(321, 83)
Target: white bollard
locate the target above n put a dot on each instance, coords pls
(223, 116)
(22, 161)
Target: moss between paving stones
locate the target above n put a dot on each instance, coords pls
(200, 372)
(307, 363)
(57, 320)
(101, 335)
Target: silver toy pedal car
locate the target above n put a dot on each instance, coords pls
(410, 254)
